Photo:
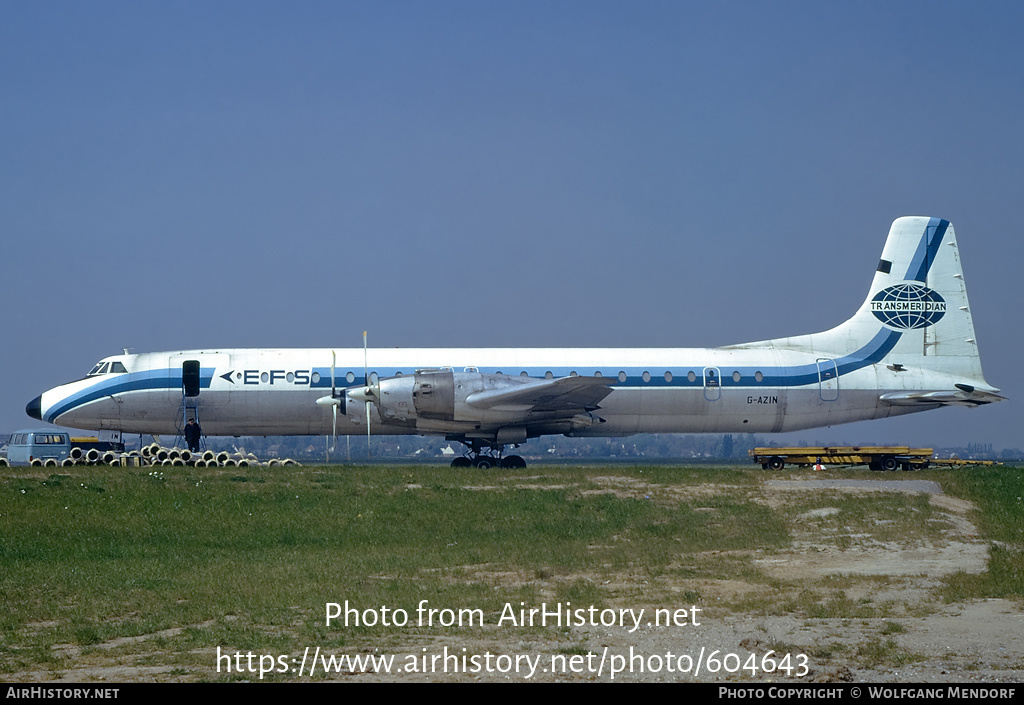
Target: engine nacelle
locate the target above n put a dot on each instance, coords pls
(509, 409)
(440, 396)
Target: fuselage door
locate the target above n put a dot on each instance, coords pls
(190, 378)
(199, 377)
(828, 379)
(712, 384)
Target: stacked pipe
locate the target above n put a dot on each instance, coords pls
(155, 454)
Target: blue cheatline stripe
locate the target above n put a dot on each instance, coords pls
(927, 250)
(796, 376)
(109, 385)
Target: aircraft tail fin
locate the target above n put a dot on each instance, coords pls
(916, 318)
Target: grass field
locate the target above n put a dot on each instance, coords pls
(165, 566)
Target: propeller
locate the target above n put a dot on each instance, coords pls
(332, 401)
(369, 392)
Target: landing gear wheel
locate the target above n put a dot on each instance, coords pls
(483, 462)
(462, 462)
(513, 462)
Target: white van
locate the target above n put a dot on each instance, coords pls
(38, 447)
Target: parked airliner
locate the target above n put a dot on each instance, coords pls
(909, 347)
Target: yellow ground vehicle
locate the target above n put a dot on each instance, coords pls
(875, 457)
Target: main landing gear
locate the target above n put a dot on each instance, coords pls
(478, 457)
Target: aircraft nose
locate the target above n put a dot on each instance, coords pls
(35, 408)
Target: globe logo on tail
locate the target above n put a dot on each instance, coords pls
(908, 306)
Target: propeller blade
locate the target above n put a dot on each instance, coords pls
(332, 401)
(334, 398)
(368, 392)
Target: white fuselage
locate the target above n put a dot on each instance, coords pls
(748, 389)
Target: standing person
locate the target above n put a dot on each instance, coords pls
(192, 434)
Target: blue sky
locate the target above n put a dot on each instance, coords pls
(232, 174)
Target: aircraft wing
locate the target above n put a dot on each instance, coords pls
(569, 394)
(965, 395)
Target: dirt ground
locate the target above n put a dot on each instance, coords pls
(912, 638)
(919, 640)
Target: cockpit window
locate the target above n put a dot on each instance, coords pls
(103, 368)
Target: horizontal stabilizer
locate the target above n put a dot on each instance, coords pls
(968, 396)
(564, 394)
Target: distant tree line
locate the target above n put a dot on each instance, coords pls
(653, 446)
